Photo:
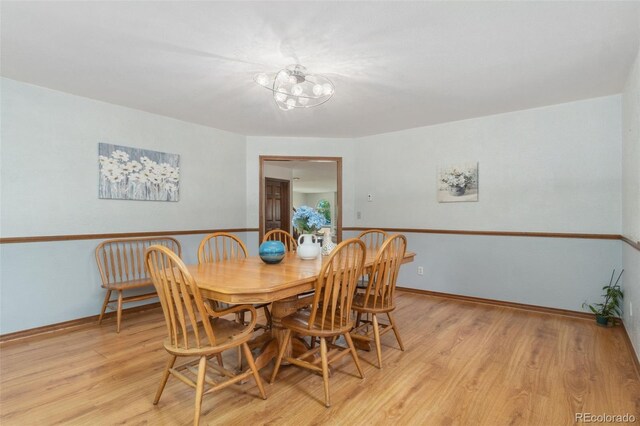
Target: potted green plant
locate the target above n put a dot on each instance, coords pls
(611, 307)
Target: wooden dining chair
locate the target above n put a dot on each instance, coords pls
(194, 330)
(121, 265)
(221, 246)
(372, 239)
(378, 297)
(329, 315)
(290, 244)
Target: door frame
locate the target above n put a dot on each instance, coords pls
(261, 185)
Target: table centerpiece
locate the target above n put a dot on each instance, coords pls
(307, 221)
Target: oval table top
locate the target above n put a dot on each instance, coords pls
(251, 280)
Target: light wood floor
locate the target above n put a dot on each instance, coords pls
(465, 363)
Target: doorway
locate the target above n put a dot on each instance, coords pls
(276, 204)
(287, 182)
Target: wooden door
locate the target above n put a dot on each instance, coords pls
(276, 206)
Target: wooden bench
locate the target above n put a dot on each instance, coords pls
(121, 265)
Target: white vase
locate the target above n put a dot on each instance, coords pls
(308, 247)
(327, 244)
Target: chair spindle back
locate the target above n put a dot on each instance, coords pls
(122, 260)
(290, 244)
(373, 238)
(384, 273)
(180, 298)
(221, 246)
(336, 285)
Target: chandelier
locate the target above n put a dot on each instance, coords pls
(293, 87)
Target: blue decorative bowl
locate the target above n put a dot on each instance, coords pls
(272, 252)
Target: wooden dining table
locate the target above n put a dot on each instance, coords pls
(251, 281)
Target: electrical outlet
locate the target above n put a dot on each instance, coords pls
(369, 197)
(420, 270)
(358, 215)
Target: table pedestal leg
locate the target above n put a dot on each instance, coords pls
(269, 351)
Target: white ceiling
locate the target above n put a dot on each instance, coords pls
(395, 65)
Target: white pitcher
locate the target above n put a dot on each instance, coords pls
(308, 247)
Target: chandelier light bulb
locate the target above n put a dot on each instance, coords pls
(280, 96)
(294, 87)
(283, 76)
(262, 79)
(297, 90)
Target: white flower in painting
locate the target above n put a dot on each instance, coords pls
(145, 176)
(147, 161)
(169, 187)
(114, 174)
(120, 155)
(155, 179)
(109, 162)
(461, 178)
(111, 168)
(164, 171)
(103, 159)
(131, 166)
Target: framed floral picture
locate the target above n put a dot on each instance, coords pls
(458, 182)
(137, 174)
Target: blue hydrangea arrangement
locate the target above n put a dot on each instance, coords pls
(308, 220)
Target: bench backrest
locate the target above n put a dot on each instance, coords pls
(121, 260)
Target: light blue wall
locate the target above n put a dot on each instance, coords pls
(51, 282)
(49, 175)
(550, 169)
(631, 201)
(62, 277)
(631, 285)
(553, 272)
